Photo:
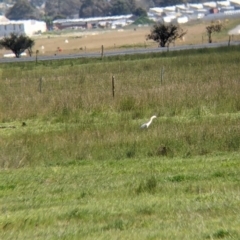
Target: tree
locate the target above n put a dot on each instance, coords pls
(49, 22)
(140, 12)
(214, 27)
(91, 8)
(17, 43)
(145, 4)
(21, 10)
(63, 8)
(120, 7)
(37, 2)
(165, 34)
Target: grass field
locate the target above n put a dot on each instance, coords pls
(74, 163)
(140, 198)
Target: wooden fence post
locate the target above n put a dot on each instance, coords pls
(113, 86)
(229, 40)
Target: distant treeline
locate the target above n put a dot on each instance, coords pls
(52, 9)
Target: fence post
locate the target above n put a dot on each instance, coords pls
(37, 55)
(113, 86)
(229, 40)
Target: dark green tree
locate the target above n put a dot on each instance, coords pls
(62, 8)
(49, 22)
(22, 10)
(17, 44)
(165, 34)
(120, 7)
(94, 8)
(37, 2)
(132, 5)
(51, 8)
(140, 12)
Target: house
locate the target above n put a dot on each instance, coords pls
(181, 8)
(223, 4)
(213, 10)
(169, 18)
(3, 19)
(156, 11)
(182, 19)
(195, 6)
(235, 3)
(28, 27)
(210, 5)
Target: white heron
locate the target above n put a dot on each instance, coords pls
(147, 124)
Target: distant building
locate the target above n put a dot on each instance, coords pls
(183, 13)
(3, 19)
(214, 10)
(235, 3)
(28, 27)
(94, 22)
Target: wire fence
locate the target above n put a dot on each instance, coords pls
(81, 81)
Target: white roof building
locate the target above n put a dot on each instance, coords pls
(195, 6)
(28, 27)
(183, 19)
(70, 23)
(3, 19)
(235, 2)
(169, 18)
(223, 3)
(156, 10)
(209, 10)
(170, 9)
(210, 4)
(181, 7)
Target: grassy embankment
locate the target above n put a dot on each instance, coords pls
(82, 169)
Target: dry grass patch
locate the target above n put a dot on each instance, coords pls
(91, 41)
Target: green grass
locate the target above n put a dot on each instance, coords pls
(81, 167)
(156, 198)
(143, 20)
